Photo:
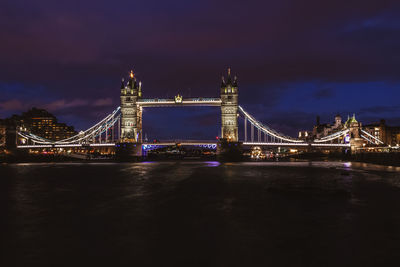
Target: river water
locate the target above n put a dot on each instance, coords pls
(199, 214)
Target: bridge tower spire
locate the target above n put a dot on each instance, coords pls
(131, 121)
(229, 108)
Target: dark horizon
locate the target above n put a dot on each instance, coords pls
(293, 61)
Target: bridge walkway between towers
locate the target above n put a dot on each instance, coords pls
(159, 102)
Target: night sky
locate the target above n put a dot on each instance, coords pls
(294, 59)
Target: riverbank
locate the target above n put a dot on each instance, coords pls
(386, 159)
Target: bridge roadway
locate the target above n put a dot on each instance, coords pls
(191, 143)
(158, 102)
(162, 143)
(287, 144)
(68, 145)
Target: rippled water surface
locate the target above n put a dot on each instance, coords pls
(199, 214)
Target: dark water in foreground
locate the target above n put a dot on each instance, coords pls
(199, 214)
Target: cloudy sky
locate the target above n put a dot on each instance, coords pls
(294, 59)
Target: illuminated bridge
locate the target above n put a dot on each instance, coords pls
(124, 125)
(204, 102)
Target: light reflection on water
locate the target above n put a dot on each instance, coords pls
(212, 163)
(347, 165)
(318, 164)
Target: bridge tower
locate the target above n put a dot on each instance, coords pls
(131, 114)
(229, 109)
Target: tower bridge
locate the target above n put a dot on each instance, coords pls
(124, 125)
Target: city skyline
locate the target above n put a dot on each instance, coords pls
(293, 63)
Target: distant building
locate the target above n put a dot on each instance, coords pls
(8, 131)
(354, 127)
(353, 123)
(388, 134)
(305, 135)
(3, 130)
(322, 130)
(37, 121)
(42, 123)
